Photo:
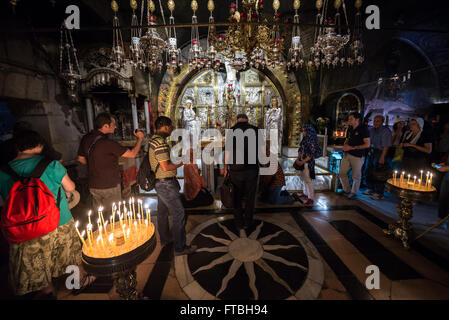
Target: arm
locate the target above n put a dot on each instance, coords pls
(82, 160)
(135, 151)
(67, 183)
(383, 155)
(168, 166)
(444, 167)
(426, 149)
(365, 145)
(226, 158)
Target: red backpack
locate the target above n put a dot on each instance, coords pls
(30, 210)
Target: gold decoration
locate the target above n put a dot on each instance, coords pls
(237, 16)
(337, 4)
(296, 4)
(319, 4)
(210, 5)
(152, 6)
(114, 6)
(358, 4)
(133, 4)
(171, 5)
(276, 5)
(194, 6)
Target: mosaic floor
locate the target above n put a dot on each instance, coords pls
(290, 252)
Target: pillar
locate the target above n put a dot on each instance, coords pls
(90, 114)
(134, 113)
(147, 117)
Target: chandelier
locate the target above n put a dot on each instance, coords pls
(136, 52)
(68, 61)
(329, 40)
(255, 43)
(212, 60)
(118, 51)
(355, 54)
(295, 53)
(173, 53)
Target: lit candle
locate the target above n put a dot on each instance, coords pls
(111, 240)
(88, 215)
(100, 239)
(395, 177)
(112, 224)
(106, 229)
(408, 180)
(120, 219)
(136, 228)
(140, 207)
(100, 214)
(79, 235)
(82, 239)
(148, 214)
(420, 178)
(402, 177)
(430, 183)
(99, 225)
(146, 228)
(113, 216)
(427, 179)
(134, 210)
(414, 181)
(127, 235)
(419, 184)
(125, 212)
(139, 218)
(100, 229)
(89, 235)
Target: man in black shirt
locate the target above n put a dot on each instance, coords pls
(241, 159)
(356, 145)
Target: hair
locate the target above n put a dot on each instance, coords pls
(20, 126)
(395, 126)
(356, 115)
(102, 119)
(242, 116)
(27, 140)
(161, 122)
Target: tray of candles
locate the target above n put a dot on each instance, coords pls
(117, 245)
(407, 186)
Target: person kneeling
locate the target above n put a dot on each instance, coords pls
(271, 188)
(195, 192)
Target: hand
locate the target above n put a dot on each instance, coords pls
(407, 145)
(299, 162)
(381, 161)
(347, 147)
(139, 134)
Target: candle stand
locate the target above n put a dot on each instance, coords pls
(121, 268)
(402, 228)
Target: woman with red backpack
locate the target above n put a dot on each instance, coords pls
(36, 219)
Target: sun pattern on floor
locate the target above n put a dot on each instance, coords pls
(264, 262)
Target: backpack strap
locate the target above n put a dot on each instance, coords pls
(93, 143)
(9, 171)
(40, 168)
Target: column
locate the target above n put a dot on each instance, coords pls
(134, 113)
(147, 116)
(90, 114)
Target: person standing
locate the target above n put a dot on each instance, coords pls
(395, 152)
(309, 150)
(355, 148)
(167, 187)
(101, 155)
(244, 174)
(417, 145)
(33, 263)
(380, 138)
(443, 203)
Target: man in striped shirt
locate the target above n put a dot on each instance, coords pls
(167, 188)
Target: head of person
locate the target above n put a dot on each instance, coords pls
(163, 126)
(398, 124)
(274, 102)
(354, 119)
(20, 126)
(188, 104)
(242, 117)
(28, 142)
(416, 124)
(105, 123)
(308, 130)
(378, 121)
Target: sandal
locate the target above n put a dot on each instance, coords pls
(86, 282)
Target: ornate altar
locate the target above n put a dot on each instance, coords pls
(347, 103)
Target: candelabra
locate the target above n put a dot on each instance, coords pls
(68, 61)
(173, 53)
(295, 53)
(135, 49)
(118, 53)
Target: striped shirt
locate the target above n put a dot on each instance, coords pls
(159, 151)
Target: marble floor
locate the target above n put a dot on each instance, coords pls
(291, 252)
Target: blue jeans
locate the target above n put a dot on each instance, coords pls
(169, 203)
(443, 206)
(275, 197)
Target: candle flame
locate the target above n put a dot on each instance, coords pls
(89, 213)
(98, 238)
(138, 215)
(135, 223)
(127, 232)
(111, 237)
(82, 233)
(100, 209)
(76, 224)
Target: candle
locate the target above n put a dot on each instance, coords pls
(136, 228)
(99, 225)
(88, 214)
(111, 240)
(408, 180)
(100, 239)
(82, 239)
(79, 235)
(148, 215)
(414, 181)
(395, 177)
(146, 228)
(430, 183)
(120, 219)
(420, 178)
(402, 177)
(89, 235)
(100, 229)
(140, 207)
(113, 215)
(134, 210)
(100, 214)
(419, 183)
(125, 212)
(106, 229)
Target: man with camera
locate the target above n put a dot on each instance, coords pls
(101, 155)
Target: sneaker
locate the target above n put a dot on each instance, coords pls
(187, 250)
(342, 193)
(351, 196)
(377, 196)
(309, 203)
(368, 192)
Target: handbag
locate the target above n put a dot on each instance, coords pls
(297, 166)
(227, 192)
(398, 154)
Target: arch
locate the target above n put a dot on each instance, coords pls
(172, 86)
(106, 76)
